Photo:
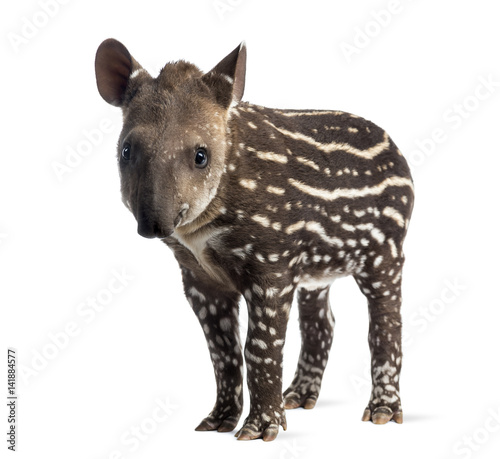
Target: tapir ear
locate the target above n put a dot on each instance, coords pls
(229, 89)
(113, 67)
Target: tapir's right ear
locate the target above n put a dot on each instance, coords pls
(113, 67)
(232, 69)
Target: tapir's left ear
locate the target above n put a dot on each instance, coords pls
(114, 66)
(229, 89)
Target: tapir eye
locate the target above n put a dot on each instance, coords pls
(201, 158)
(126, 151)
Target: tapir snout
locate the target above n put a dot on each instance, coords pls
(156, 214)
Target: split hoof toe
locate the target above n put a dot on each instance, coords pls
(382, 415)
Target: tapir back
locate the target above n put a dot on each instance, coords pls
(321, 149)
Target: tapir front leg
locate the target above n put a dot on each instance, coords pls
(218, 315)
(267, 320)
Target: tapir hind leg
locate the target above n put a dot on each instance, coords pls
(381, 285)
(316, 329)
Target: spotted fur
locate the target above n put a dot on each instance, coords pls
(290, 200)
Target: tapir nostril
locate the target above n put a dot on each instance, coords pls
(146, 229)
(157, 229)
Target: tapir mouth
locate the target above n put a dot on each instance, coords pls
(150, 229)
(181, 215)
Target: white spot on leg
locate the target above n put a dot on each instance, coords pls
(378, 261)
(378, 235)
(394, 250)
(286, 290)
(195, 293)
(260, 343)
(270, 312)
(225, 324)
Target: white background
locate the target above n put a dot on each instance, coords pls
(420, 74)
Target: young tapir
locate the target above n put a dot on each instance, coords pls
(264, 203)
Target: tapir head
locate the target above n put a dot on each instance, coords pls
(174, 141)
